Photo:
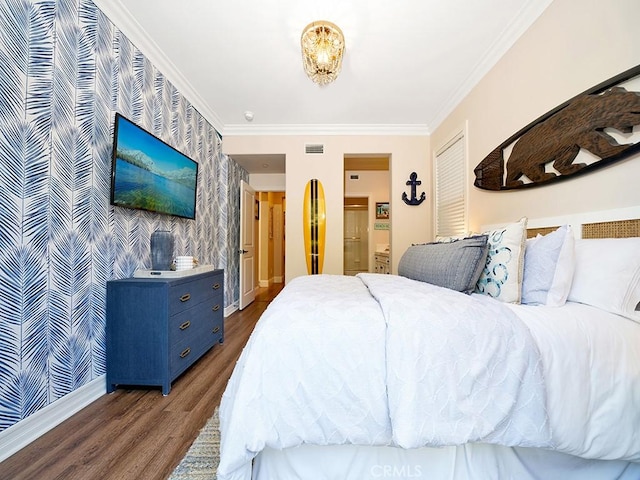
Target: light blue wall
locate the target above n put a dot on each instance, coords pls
(65, 70)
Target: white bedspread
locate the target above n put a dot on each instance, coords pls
(313, 371)
(460, 368)
(591, 364)
(384, 360)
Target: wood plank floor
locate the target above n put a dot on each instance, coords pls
(139, 434)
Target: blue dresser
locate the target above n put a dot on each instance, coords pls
(158, 327)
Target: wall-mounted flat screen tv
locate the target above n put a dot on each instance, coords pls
(148, 174)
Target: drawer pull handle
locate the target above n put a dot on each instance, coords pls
(185, 297)
(216, 286)
(216, 308)
(185, 325)
(216, 330)
(185, 352)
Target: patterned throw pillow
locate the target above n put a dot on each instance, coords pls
(501, 277)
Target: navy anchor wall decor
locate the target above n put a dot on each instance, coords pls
(413, 182)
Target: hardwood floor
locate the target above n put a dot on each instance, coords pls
(139, 434)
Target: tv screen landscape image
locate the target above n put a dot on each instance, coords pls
(148, 174)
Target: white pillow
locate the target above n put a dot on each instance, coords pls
(607, 275)
(501, 277)
(549, 263)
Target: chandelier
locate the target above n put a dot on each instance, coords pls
(322, 49)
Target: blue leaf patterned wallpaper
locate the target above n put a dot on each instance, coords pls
(65, 70)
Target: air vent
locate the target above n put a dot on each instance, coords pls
(354, 177)
(314, 148)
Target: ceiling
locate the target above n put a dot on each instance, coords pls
(407, 63)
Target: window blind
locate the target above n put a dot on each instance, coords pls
(451, 215)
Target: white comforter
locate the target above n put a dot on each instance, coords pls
(383, 360)
(460, 368)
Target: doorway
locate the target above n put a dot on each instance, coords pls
(356, 235)
(271, 238)
(366, 184)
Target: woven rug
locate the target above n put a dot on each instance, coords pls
(201, 461)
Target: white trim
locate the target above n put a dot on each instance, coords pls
(230, 309)
(505, 40)
(125, 22)
(323, 129)
(34, 426)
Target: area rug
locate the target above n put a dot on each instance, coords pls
(201, 461)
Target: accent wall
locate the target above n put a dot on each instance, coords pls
(65, 70)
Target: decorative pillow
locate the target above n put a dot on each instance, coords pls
(607, 275)
(549, 263)
(455, 265)
(501, 277)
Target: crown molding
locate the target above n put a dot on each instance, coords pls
(124, 21)
(327, 129)
(527, 16)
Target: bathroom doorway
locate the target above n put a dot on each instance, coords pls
(366, 235)
(356, 235)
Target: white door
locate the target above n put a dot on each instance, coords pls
(247, 245)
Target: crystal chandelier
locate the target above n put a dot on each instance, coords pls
(322, 49)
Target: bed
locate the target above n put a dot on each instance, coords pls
(489, 357)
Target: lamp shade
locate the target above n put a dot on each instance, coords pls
(322, 50)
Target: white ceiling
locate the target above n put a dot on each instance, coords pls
(407, 62)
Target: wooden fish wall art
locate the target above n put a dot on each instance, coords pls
(556, 138)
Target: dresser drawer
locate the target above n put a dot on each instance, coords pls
(187, 294)
(193, 322)
(183, 353)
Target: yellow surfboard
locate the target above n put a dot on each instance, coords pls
(313, 221)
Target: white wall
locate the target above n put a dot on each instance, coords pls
(572, 47)
(409, 224)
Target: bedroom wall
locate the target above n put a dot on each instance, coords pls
(570, 48)
(409, 224)
(66, 70)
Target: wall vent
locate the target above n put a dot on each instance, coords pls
(314, 148)
(354, 177)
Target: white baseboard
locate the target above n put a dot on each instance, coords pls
(34, 426)
(230, 309)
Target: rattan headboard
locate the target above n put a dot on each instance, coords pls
(612, 229)
(532, 232)
(619, 223)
